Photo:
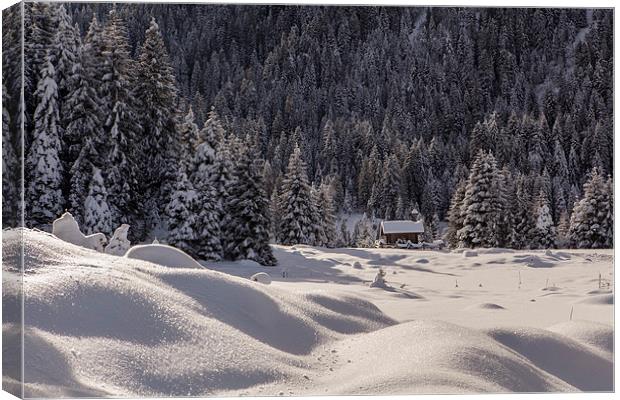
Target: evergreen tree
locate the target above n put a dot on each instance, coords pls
(544, 232)
(390, 189)
(80, 178)
(155, 88)
(524, 222)
(249, 214)
(592, 218)
(345, 235)
(10, 169)
(188, 135)
(43, 193)
(209, 219)
(482, 206)
(181, 213)
(364, 236)
(562, 239)
(431, 228)
(97, 215)
(120, 125)
(295, 203)
(455, 215)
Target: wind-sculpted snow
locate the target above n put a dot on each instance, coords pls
(103, 325)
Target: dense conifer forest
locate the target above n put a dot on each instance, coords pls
(230, 126)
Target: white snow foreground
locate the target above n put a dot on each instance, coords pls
(99, 325)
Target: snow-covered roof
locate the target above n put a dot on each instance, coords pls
(404, 226)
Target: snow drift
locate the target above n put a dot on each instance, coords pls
(103, 325)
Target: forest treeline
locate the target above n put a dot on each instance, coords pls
(385, 108)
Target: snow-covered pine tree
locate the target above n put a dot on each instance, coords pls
(249, 214)
(63, 51)
(590, 225)
(83, 135)
(544, 232)
(455, 215)
(156, 92)
(609, 221)
(10, 169)
(325, 206)
(364, 235)
(318, 236)
(224, 181)
(181, 216)
(97, 214)
(390, 188)
(38, 31)
(208, 243)
(482, 205)
(345, 235)
(523, 220)
(431, 228)
(121, 126)
(295, 203)
(188, 136)
(43, 194)
(81, 108)
(562, 230)
(80, 178)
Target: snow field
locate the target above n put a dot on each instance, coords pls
(102, 325)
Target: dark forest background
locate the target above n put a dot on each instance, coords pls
(389, 106)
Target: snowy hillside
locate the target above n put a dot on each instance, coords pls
(99, 324)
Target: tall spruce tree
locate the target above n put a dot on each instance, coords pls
(249, 218)
(121, 126)
(155, 88)
(544, 231)
(455, 215)
(97, 214)
(209, 206)
(296, 205)
(592, 219)
(43, 193)
(181, 213)
(325, 206)
(10, 169)
(482, 205)
(524, 222)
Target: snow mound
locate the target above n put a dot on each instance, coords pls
(602, 299)
(600, 336)
(568, 359)
(470, 253)
(163, 255)
(102, 325)
(249, 264)
(433, 357)
(496, 250)
(534, 261)
(357, 265)
(66, 228)
(261, 277)
(490, 306)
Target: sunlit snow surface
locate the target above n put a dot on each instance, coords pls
(102, 325)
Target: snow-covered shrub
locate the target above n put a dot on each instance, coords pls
(261, 277)
(119, 244)
(379, 280)
(66, 228)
